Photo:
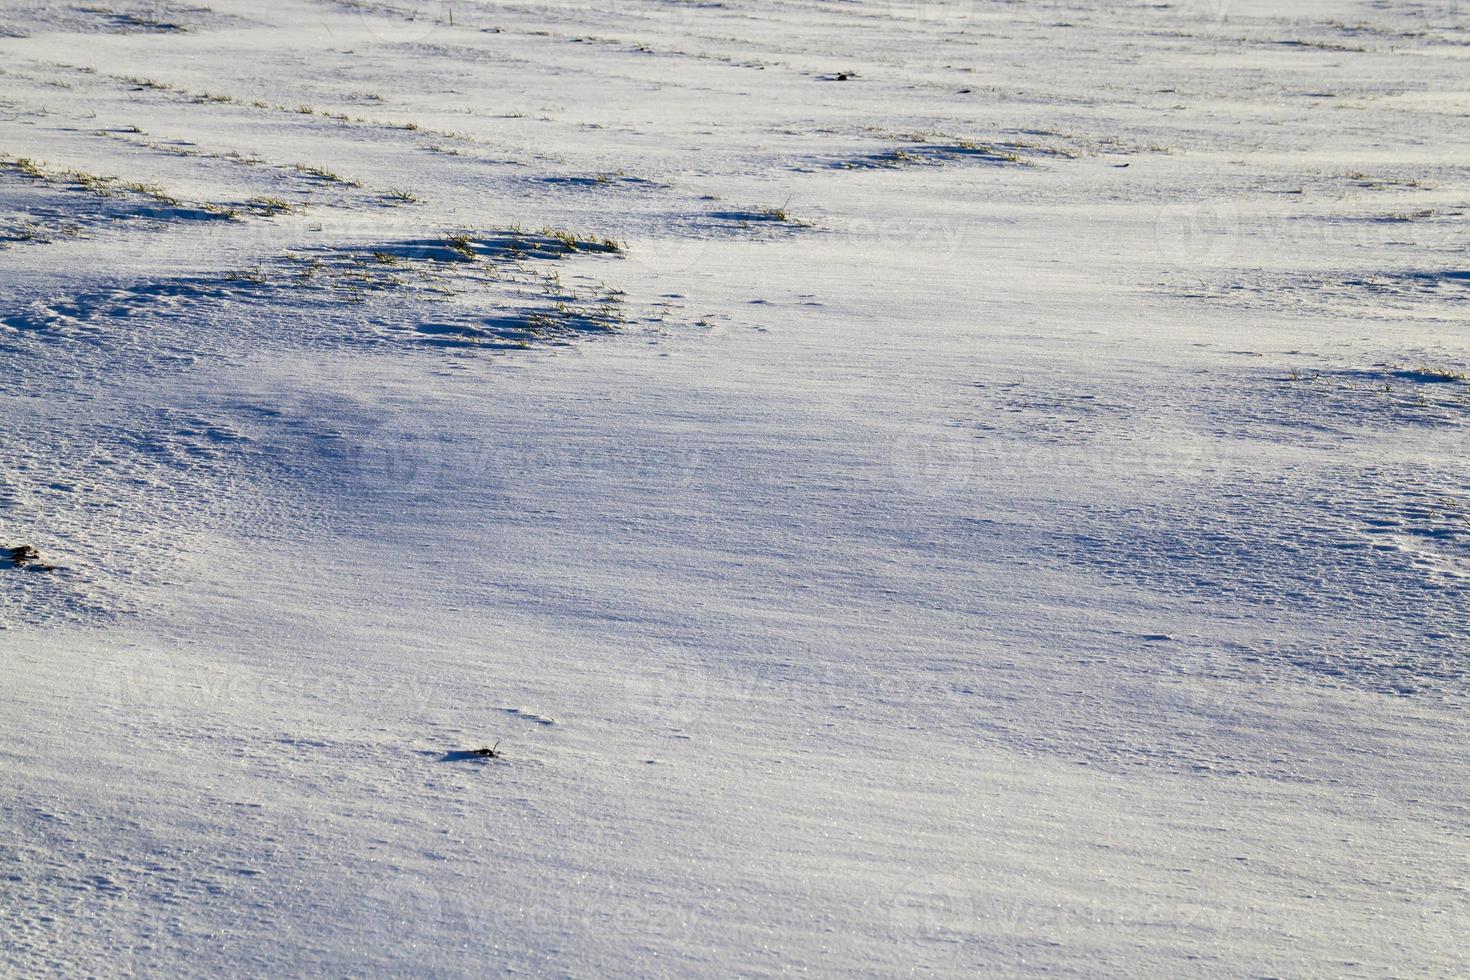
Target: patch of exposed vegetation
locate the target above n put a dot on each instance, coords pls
(323, 174)
(1378, 183)
(932, 148)
(29, 231)
(237, 158)
(300, 108)
(507, 273)
(116, 199)
(135, 21)
(96, 184)
(268, 207)
(763, 215)
(1407, 394)
(23, 557)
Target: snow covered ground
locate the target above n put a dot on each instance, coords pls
(1001, 507)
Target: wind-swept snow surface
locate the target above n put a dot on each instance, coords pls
(911, 487)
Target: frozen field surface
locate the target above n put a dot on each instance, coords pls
(956, 488)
